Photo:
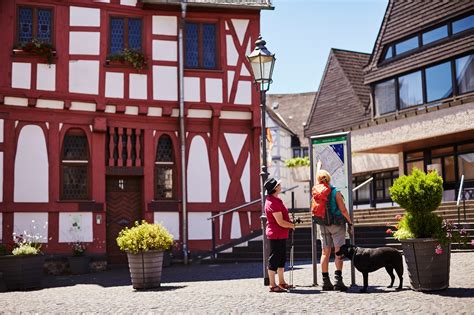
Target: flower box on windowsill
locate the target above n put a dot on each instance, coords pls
(18, 52)
(123, 64)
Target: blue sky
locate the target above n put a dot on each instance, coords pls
(301, 33)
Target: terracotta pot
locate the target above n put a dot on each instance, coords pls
(22, 272)
(145, 269)
(427, 270)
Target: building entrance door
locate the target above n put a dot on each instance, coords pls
(124, 207)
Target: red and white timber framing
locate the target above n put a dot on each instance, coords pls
(40, 102)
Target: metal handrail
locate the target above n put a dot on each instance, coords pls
(247, 204)
(460, 192)
(363, 184)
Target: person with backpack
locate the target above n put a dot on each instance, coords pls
(330, 213)
(277, 230)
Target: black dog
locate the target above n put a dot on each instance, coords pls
(370, 259)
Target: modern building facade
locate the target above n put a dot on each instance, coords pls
(418, 98)
(122, 110)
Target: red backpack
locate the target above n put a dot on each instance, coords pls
(321, 194)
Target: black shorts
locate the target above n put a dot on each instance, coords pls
(277, 258)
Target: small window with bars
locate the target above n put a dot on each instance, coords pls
(164, 169)
(201, 45)
(75, 166)
(34, 23)
(125, 33)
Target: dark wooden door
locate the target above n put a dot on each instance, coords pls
(124, 207)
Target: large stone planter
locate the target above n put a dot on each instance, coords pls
(79, 264)
(22, 272)
(145, 269)
(301, 174)
(427, 270)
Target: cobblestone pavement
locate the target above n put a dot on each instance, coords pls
(238, 288)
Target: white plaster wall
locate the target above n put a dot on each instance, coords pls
(81, 106)
(131, 110)
(84, 43)
(165, 50)
(1, 130)
(235, 231)
(165, 83)
(84, 16)
(110, 109)
(200, 228)
(244, 70)
(198, 172)
(225, 114)
(214, 90)
(155, 111)
(15, 101)
(232, 54)
(175, 112)
(31, 224)
(245, 180)
(199, 113)
(362, 163)
(192, 89)
(244, 93)
(165, 25)
(52, 104)
(170, 220)
(224, 178)
(46, 77)
(230, 82)
(429, 125)
(84, 76)
(75, 227)
(31, 166)
(1, 179)
(114, 84)
(21, 75)
(138, 86)
(128, 2)
(235, 142)
(240, 27)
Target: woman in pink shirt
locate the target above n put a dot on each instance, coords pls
(278, 226)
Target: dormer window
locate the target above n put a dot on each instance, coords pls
(434, 35)
(463, 24)
(407, 45)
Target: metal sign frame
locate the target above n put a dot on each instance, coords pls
(345, 138)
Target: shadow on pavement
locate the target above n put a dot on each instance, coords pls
(455, 292)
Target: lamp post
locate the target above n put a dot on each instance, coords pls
(262, 62)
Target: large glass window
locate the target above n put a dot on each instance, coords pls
(201, 45)
(438, 82)
(407, 45)
(435, 34)
(466, 165)
(385, 101)
(388, 53)
(465, 74)
(74, 166)
(414, 164)
(164, 168)
(34, 23)
(125, 33)
(410, 90)
(463, 24)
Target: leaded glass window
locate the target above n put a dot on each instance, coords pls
(34, 23)
(201, 45)
(75, 166)
(125, 33)
(164, 169)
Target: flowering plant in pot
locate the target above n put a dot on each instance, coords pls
(299, 168)
(23, 269)
(78, 262)
(144, 244)
(38, 48)
(134, 57)
(426, 238)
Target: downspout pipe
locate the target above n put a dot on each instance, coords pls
(182, 132)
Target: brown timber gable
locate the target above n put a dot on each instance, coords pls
(343, 99)
(405, 18)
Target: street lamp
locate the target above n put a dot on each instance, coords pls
(262, 62)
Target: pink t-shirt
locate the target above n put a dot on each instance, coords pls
(274, 231)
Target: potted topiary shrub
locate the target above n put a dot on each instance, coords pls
(425, 237)
(23, 269)
(144, 244)
(299, 168)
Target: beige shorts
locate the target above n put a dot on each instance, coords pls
(332, 235)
